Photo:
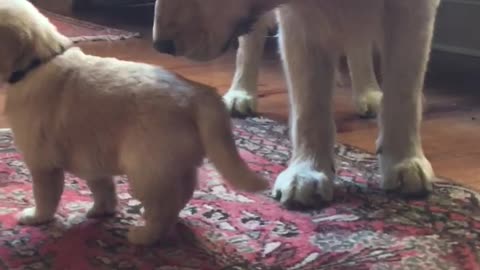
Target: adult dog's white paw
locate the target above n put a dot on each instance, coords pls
(29, 216)
(300, 185)
(368, 103)
(410, 176)
(240, 102)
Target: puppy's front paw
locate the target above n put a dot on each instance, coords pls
(410, 176)
(300, 185)
(29, 216)
(240, 102)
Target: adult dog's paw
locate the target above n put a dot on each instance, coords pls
(240, 102)
(410, 176)
(368, 103)
(300, 185)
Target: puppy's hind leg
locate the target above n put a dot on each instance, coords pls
(47, 190)
(409, 29)
(309, 66)
(163, 197)
(104, 197)
(241, 98)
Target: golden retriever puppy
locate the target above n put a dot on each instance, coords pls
(241, 98)
(313, 33)
(100, 117)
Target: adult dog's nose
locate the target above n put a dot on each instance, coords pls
(165, 46)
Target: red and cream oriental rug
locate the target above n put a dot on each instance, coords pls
(222, 229)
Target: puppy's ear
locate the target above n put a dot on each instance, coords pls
(46, 42)
(11, 50)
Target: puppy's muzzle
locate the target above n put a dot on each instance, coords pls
(165, 46)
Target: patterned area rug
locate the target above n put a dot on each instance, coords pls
(222, 229)
(80, 31)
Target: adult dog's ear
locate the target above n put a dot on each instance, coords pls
(263, 6)
(257, 9)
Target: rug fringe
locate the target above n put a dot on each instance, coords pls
(104, 38)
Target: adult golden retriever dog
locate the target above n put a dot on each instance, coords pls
(313, 33)
(99, 117)
(241, 98)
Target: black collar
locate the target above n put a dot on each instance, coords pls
(18, 75)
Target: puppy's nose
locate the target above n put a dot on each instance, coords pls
(165, 46)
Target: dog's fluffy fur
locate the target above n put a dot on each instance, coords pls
(241, 98)
(313, 33)
(99, 117)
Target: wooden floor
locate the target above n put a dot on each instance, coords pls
(451, 130)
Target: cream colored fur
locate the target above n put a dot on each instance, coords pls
(100, 117)
(241, 98)
(313, 33)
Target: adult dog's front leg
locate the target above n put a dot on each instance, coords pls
(241, 98)
(409, 28)
(309, 69)
(366, 91)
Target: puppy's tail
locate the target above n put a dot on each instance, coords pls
(216, 135)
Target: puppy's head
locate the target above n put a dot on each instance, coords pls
(26, 36)
(204, 29)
